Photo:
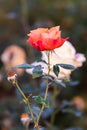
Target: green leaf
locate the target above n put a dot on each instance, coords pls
(57, 83)
(56, 70)
(25, 66)
(66, 66)
(66, 80)
(39, 99)
(37, 71)
(40, 60)
(62, 84)
(47, 76)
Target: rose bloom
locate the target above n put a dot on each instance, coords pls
(11, 76)
(46, 39)
(25, 119)
(13, 55)
(66, 54)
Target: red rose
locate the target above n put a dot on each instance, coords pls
(46, 39)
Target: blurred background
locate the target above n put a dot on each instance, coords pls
(17, 18)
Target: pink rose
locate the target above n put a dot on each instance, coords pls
(46, 39)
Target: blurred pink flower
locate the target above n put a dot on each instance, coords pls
(65, 54)
(79, 103)
(13, 55)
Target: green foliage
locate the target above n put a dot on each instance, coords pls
(40, 60)
(56, 70)
(66, 66)
(25, 66)
(57, 83)
(37, 71)
(39, 99)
